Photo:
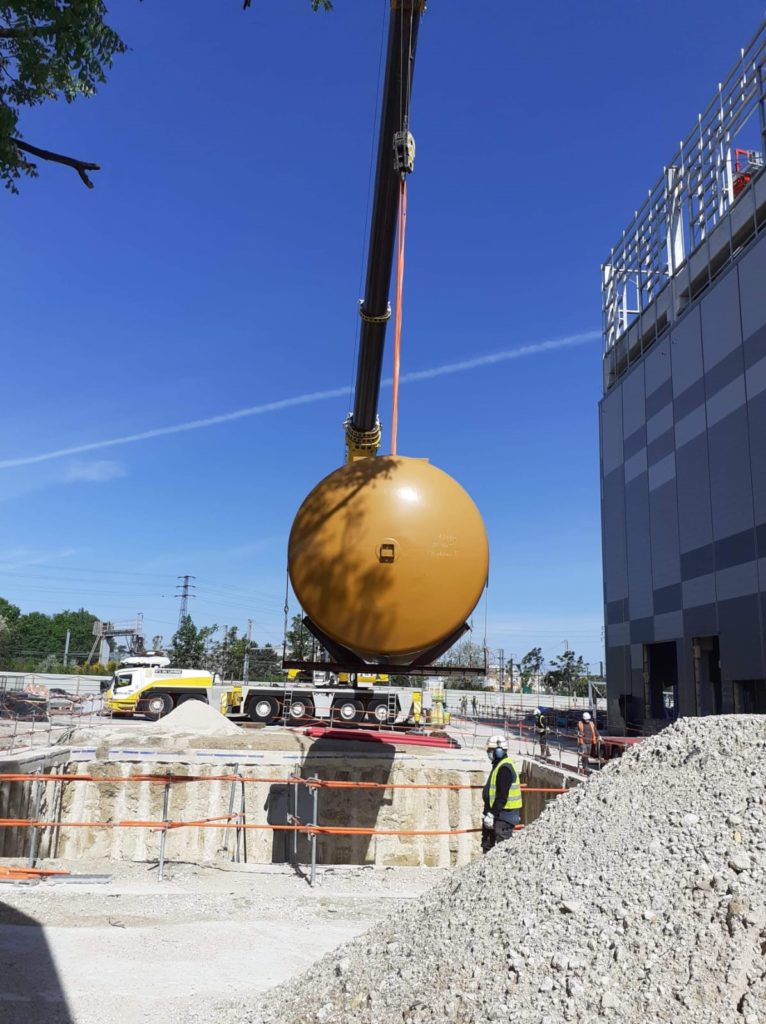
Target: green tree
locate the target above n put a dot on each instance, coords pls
(32, 636)
(6, 639)
(10, 612)
(80, 626)
(52, 50)
(265, 664)
(466, 654)
(568, 674)
(9, 615)
(227, 655)
(188, 648)
(35, 641)
(301, 645)
(530, 667)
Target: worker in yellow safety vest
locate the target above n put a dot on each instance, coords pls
(502, 796)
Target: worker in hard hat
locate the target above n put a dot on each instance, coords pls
(502, 795)
(541, 727)
(587, 739)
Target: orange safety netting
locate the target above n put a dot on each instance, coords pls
(226, 823)
(232, 821)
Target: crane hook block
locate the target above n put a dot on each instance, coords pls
(404, 152)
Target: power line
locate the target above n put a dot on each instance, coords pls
(247, 591)
(150, 580)
(83, 569)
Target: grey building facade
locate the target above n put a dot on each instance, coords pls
(683, 432)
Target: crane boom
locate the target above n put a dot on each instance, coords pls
(387, 556)
(396, 151)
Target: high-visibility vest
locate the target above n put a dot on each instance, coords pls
(542, 725)
(581, 731)
(513, 803)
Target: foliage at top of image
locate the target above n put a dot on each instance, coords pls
(52, 50)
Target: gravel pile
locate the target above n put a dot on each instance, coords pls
(638, 898)
(194, 717)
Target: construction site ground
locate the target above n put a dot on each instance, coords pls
(135, 949)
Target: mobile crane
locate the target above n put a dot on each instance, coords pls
(388, 556)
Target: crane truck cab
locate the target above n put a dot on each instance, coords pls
(148, 685)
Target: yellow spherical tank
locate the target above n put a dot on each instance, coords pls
(388, 556)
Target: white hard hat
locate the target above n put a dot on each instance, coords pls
(586, 716)
(538, 711)
(497, 742)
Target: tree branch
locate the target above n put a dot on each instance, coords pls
(81, 166)
(23, 31)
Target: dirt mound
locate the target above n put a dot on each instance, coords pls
(194, 718)
(638, 898)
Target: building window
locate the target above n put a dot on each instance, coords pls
(661, 680)
(707, 675)
(750, 696)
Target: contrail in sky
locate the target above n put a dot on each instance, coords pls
(307, 399)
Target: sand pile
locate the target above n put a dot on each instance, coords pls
(194, 718)
(191, 724)
(639, 898)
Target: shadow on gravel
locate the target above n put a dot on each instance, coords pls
(30, 988)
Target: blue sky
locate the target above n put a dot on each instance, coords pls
(217, 264)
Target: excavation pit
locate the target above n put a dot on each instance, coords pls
(389, 794)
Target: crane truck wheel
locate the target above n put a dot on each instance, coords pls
(192, 696)
(347, 710)
(301, 709)
(263, 709)
(379, 713)
(158, 705)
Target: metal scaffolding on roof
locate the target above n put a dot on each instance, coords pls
(708, 202)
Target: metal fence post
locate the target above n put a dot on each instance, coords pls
(295, 817)
(231, 812)
(165, 805)
(34, 830)
(242, 821)
(314, 821)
